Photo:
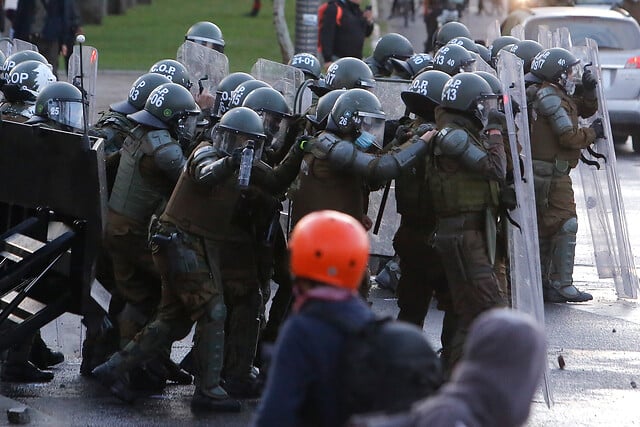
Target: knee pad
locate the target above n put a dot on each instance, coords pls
(216, 310)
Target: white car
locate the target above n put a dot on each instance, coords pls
(618, 38)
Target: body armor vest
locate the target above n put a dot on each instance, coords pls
(320, 186)
(412, 198)
(203, 209)
(544, 141)
(455, 189)
(133, 195)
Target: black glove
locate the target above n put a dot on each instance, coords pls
(236, 157)
(496, 120)
(508, 198)
(596, 125)
(403, 133)
(589, 80)
(515, 107)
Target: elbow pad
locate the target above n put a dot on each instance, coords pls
(390, 165)
(457, 143)
(206, 165)
(549, 105)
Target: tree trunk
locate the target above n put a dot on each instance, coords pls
(282, 31)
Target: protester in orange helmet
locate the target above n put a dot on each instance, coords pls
(329, 251)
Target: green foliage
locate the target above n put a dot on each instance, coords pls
(148, 33)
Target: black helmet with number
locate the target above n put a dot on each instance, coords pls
(392, 45)
(170, 106)
(18, 57)
(526, 50)
(555, 65)
(224, 89)
(425, 93)
(207, 34)
(493, 81)
(323, 108)
(453, 59)
(497, 45)
(271, 106)
(357, 112)
(412, 66)
(60, 102)
(26, 80)
(450, 30)
(139, 93)
(466, 43)
(236, 127)
(309, 64)
(469, 93)
(174, 71)
(243, 90)
(345, 73)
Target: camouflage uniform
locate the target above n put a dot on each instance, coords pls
(465, 202)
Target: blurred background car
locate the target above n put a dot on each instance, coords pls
(618, 38)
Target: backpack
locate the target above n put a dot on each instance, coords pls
(386, 365)
(321, 11)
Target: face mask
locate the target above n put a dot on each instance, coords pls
(365, 140)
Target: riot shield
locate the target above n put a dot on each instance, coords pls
(482, 65)
(524, 255)
(493, 31)
(545, 37)
(388, 90)
(286, 79)
(381, 237)
(88, 81)
(304, 98)
(10, 46)
(204, 64)
(518, 32)
(603, 197)
(48, 259)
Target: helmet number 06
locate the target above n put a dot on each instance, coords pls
(157, 98)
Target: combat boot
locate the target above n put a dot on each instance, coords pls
(42, 356)
(208, 354)
(24, 372)
(560, 288)
(111, 375)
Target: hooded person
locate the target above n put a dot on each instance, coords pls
(490, 386)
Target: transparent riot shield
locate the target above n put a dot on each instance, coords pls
(545, 37)
(603, 197)
(561, 37)
(205, 65)
(482, 65)
(388, 91)
(493, 31)
(10, 46)
(524, 255)
(386, 222)
(518, 32)
(286, 79)
(88, 80)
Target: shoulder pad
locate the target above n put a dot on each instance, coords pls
(322, 144)
(451, 136)
(155, 139)
(169, 157)
(204, 153)
(548, 100)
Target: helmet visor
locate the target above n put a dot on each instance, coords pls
(372, 124)
(484, 104)
(66, 112)
(273, 126)
(207, 43)
(186, 129)
(468, 66)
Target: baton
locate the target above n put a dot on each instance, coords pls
(383, 202)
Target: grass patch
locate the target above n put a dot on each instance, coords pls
(148, 33)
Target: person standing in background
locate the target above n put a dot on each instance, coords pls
(342, 29)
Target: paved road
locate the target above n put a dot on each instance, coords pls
(599, 340)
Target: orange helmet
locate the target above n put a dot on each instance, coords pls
(329, 247)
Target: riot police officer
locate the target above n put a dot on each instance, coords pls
(464, 175)
(556, 141)
(390, 45)
(453, 59)
(207, 34)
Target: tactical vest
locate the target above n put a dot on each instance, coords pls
(114, 128)
(320, 186)
(545, 143)
(412, 199)
(203, 209)
(455, 189)
(132, 195)
(17, 112)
